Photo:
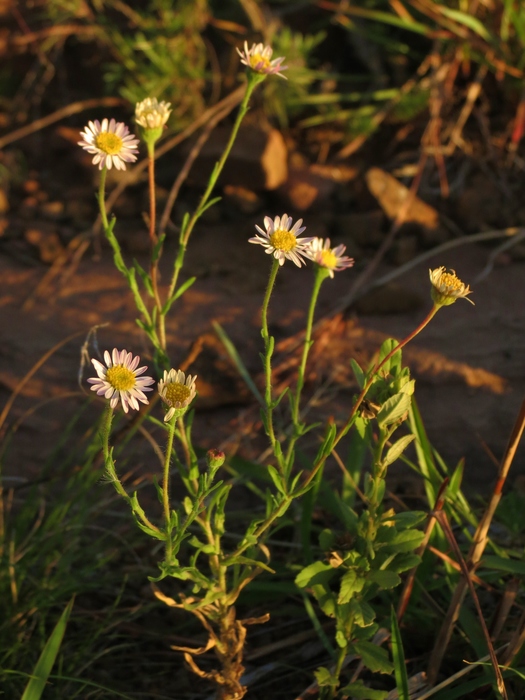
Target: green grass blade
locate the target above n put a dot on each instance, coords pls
(236, 359)
(37, 683)
(398, 655)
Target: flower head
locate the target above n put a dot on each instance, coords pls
(215, 458)
(152, 114)
(258, 58)
(120, 379)
(331, 258)
(281, 241)
(446, 287)
(177, 391)
(110, 143)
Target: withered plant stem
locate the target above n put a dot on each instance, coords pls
(477, 548)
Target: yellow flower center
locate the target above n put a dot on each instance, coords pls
(176, 393)
(109, 142)
(283, 240)
(257, 58)
(450, 283)
(121, 378)
(328, 259)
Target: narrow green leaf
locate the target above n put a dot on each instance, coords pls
(395, 361)
(397, 449)
(358, 373)
(467, 20)
(179, 292)
(394, 409)
(209, 204)
(316, 573)
(323, 677)
(362, 612)
(37, 683)
(374, 657)
(351, 583)
(404, 541)
(409, 518)
(385, 579)
(456, 479)
(236, 359)
(399, 659)
(512, 566)
(359, 691)
(276, 478)
(404, 562)
(155, 253)
(146, 281)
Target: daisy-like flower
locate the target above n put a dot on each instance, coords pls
(177, 391)
(281, 241)
(258, 58)
(120, 380)
(331, 258)
(111, 144)
(446, 287)
(152, 114)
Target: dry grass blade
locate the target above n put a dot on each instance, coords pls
(477, 549)
(73, 108)
(452, 679)
(442, 519)
(183, 174)
(21, 384)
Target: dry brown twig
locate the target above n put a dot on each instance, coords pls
(74, 108)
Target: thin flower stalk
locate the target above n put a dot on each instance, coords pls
(166, 488)
(105, 432)
(121, 265)
(327, 261)
(321, 274)
(151, 116)
(187, 230)
(102, 198)
(346, 427)
(268, 352)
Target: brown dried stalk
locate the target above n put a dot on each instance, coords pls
(442, 519)
(476, 551)
(226, 636)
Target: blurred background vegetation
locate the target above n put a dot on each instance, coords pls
(352, 65)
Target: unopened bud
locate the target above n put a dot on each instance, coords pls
(215, 458)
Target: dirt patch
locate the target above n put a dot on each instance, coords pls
(468, 363)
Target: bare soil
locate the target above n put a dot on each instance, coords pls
(468, 363)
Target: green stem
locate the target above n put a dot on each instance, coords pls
(321, 273)
(337, 671)
(346, 427)
(166, 488)
(102, 198)
(263, 527)
(121, 265)
(253, 80)
(268, 352)
(105, 432)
